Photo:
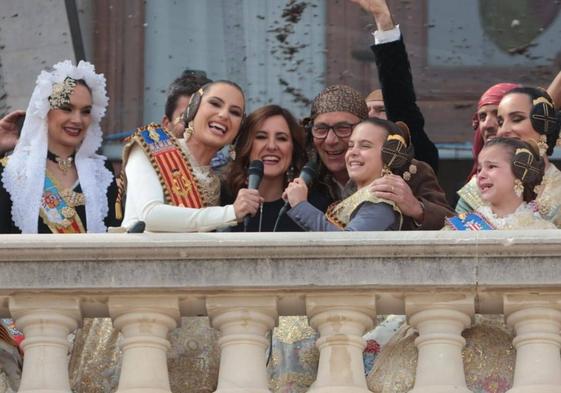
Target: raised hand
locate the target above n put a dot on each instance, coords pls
(380, 12)
(296, 192)
(9, 130)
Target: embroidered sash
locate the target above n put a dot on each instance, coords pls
(470, 194)
(471, 221)
(57, 212)
(340, 213)
(180, 186)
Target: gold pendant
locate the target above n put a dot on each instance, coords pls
(64, 164)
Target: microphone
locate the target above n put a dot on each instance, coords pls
(138, 227)
(308, 173)
(253, 180)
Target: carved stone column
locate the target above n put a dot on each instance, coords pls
(244, 322)
(144, 323)
(45, 321)
(440, 320)
(341, 320)
(536, 320)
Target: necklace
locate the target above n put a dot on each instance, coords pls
(64, 164)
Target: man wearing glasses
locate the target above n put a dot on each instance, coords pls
(335, 112)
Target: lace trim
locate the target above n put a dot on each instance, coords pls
(209, 182)
(524, 217)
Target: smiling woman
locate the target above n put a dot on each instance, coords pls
(169, 183)
(54, 182)
(270, 134)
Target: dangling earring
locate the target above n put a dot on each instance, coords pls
(290, 174)
(542, 145)
(232, 152)
(410, 172)
(188, 131)
(518, 187)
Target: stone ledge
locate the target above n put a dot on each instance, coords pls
(390, 264)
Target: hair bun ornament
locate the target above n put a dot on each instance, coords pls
(543, 116)
(525, 164)
(396, 154)
(193, 106)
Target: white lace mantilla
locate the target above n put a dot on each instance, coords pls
(24, 175)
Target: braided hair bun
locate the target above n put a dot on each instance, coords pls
(397, 151)
(526, 163)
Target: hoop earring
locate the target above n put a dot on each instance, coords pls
(290, 174)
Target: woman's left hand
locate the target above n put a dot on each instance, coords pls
(296, 192)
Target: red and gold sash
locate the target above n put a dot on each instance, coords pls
(180, 186)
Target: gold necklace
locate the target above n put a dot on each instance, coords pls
(64, 164)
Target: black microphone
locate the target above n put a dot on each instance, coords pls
(253, 180)
(308, 173)
(138, 227)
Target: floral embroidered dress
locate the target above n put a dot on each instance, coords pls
(548, 200)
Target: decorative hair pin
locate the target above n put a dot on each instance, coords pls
(397, 137)
(523, 150)
(61, 93)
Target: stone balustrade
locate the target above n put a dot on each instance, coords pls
(243, 282)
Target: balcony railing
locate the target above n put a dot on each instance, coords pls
(243, 282)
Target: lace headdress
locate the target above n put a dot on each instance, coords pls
(24, 175)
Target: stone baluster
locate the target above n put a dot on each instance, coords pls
(45, 321)
(536, 320)
(243, 322)
(440, 320)
(341, 320)
(145, 323)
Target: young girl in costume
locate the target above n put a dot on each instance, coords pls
(528, 113)
(509, 172)
(376, 147)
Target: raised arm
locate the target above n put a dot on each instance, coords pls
(554, 90)
(396, 81)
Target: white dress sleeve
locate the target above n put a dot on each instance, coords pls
(145, 202)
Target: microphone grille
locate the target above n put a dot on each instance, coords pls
(256, 167)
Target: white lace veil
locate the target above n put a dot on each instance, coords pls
(24, 175)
